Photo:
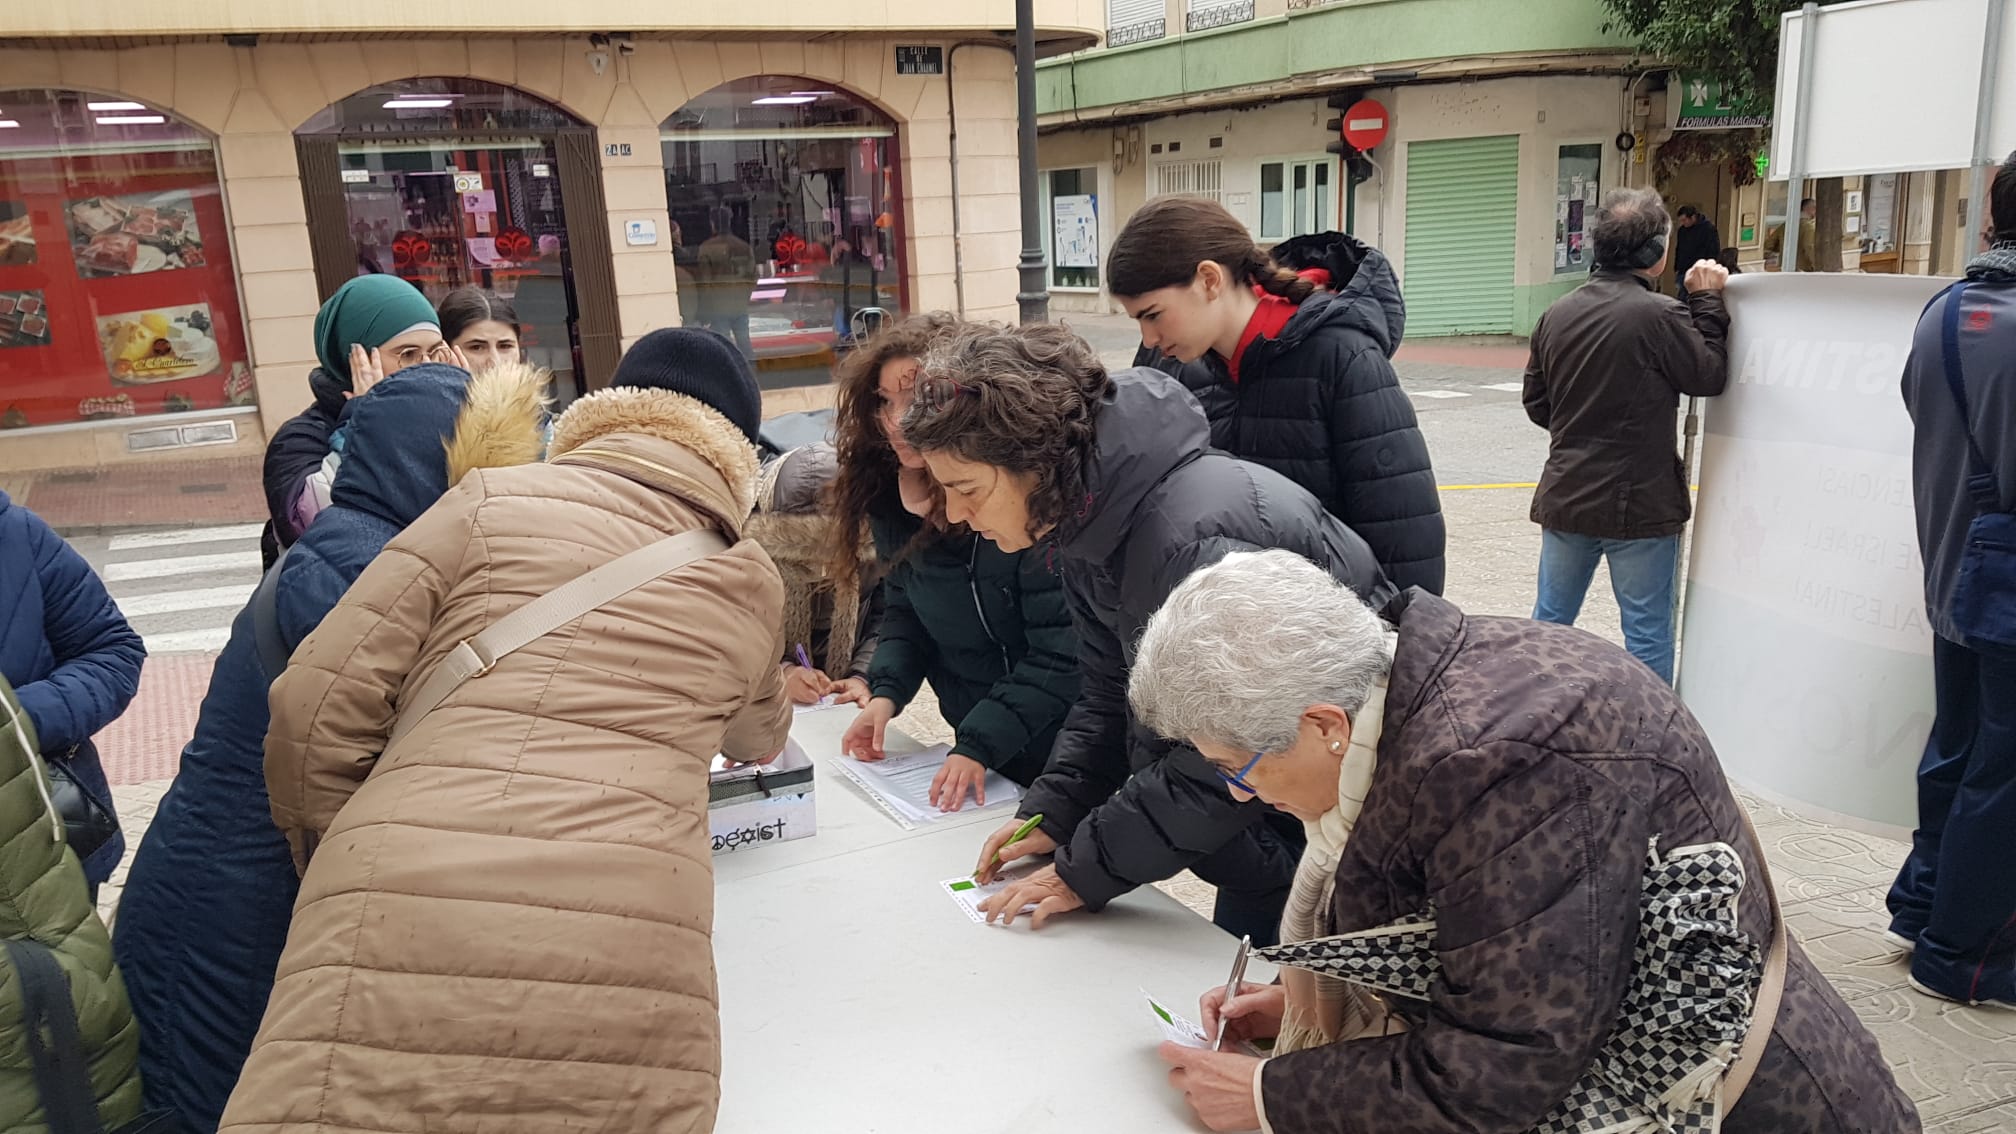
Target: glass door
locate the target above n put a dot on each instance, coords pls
(485, 213)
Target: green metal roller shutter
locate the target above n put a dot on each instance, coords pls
(1462, 235)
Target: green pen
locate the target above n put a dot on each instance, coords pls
(1022, 832)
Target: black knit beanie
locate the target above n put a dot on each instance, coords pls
(700, 364)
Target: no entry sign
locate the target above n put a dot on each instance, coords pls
(1365, 124)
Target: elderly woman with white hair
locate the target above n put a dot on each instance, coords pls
(1529, 902)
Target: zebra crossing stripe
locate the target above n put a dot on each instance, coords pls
(142, 540)
(207, 640)
(178, 602)
(182, 565)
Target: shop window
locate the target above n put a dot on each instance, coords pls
(1577, 175)
(1295, 198)
(1071, 240)
(451, 183)
(117, 296)
(785, 206)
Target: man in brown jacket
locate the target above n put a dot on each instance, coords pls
(1609, 363)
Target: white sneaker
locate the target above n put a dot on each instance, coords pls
(2004, 1005)
(1908, 945)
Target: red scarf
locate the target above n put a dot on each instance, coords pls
(1268, 320)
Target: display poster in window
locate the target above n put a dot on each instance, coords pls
(17, 234)
(1577, 175)
(115, 302)
(24, 319)
(1076, 220)
(134, 234)
(167, 344)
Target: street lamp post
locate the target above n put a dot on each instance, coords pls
(1034, 297)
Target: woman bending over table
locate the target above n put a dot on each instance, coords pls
(1529, 901)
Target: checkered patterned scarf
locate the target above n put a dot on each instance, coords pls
(1323, 1009)
(1997, 265)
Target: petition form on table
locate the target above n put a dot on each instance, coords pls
(901, 786)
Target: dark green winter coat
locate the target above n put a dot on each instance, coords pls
(44, 905)
(988, 629)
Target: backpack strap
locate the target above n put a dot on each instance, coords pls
(57, 1059)
(273, 651)
(477, 656)
(1980, 475)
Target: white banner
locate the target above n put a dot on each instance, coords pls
(1807, 655)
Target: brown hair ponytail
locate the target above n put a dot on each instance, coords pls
(1169, 236)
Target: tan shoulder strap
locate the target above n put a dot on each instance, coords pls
(476, 656)
(1764, 1015)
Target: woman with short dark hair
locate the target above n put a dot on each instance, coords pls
(1113, 479)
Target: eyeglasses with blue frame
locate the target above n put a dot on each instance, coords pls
(1238, 779)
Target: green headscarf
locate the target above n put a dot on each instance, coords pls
(369, 311)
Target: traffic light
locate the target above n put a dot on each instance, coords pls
(1357, 167)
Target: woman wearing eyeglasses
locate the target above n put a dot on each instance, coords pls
(1113, 479)
(986, 627)
(1530, 901)
(372, 328)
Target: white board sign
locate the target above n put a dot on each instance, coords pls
(1856, 126)
(1807, 654)
(1076, 222)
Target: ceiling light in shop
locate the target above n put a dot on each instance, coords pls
(116, 105)
(811, 94)
(419, 103)
(130, 120)
(785, 100)
(9, 124)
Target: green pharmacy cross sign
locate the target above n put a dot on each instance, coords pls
(1705, 105)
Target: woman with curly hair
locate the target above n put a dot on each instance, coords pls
(1116, 478)
(987, 627)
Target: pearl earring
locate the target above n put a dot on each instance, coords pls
(1336, 746)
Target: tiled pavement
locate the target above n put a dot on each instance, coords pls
(1959, 1064)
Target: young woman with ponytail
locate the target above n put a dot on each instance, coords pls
(1293, 375)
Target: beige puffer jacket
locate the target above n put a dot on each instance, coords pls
(506, 922)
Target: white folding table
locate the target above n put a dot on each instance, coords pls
(857, 997)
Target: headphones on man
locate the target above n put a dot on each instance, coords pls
(1646, 255)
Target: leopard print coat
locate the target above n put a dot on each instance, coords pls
(1523, 769)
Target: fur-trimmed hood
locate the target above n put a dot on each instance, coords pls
(679, 421)
(502, 422)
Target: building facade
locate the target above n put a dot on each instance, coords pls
(1502, 125)
(175, 204)
(1505, 124)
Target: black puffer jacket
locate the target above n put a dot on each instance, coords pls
(1322, 406)
(295, 452)
(1125, 806)
(988, 628)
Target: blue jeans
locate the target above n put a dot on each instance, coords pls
(1956, 895)
(1643, 575)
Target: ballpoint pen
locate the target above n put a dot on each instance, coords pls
(1022, 832)
(804, 659)
(1232, 987)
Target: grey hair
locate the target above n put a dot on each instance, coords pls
(1242, 648)
(1626, 219)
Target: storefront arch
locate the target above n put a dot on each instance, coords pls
(785, 196)
(118, 297)
(452, 182)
